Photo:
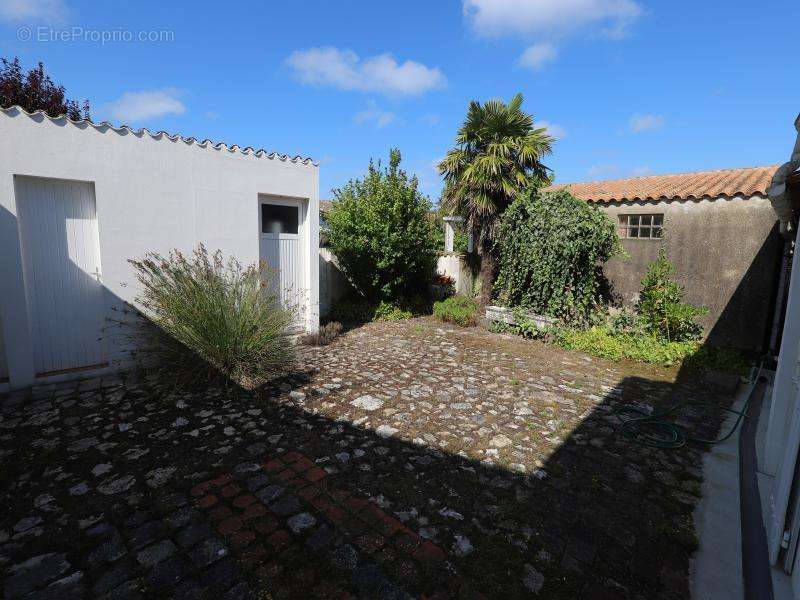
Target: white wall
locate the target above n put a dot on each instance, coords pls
(454, 265)
(153, 194)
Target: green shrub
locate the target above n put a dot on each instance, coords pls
(550, 247)
(214, 318)
(381, 233)
(459, 310)
(356, 312)
(643, 348)
(632, 344)
(386, 311)
(661, 307)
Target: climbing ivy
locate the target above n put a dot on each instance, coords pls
(551, 246)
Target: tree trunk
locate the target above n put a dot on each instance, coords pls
(486, 275)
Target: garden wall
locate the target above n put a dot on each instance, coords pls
(333, 285)
(453, 264)
(727, 254)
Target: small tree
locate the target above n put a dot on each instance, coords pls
(497, 156)
(380, 230)
(36, 91)
(661, 307)
(551, 245)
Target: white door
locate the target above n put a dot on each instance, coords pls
(61, 256)
(282, 237)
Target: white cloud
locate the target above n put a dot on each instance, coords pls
(645, 122)
(343, 69)
(607, 170)
(45, 11)
(142, 106)
(553, 129)
(374, 115)
(641, 171)
(537, 55)
(550, 18)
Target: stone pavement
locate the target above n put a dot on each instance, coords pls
(405, 460)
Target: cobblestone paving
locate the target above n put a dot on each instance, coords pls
(405, 460)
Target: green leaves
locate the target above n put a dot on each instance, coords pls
(381, 233)
(661, 305)
(551, 245)
(497, 155)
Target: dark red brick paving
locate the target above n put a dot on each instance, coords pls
(259, 539)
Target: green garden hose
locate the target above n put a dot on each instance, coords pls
(655, 431)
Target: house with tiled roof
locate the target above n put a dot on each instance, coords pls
(719, 230)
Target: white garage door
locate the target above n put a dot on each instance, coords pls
(281, 247)
(61, 256)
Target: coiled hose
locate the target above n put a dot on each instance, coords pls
(655, 431)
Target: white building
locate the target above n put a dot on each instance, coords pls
(779, 464)
(78, 199)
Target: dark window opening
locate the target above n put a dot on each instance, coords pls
(277, 218)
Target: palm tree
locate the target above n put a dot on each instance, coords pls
(497, 155)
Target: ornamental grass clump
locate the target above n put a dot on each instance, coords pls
(215, 320)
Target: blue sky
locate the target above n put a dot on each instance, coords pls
(627, 87)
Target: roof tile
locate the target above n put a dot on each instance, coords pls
(682, 186)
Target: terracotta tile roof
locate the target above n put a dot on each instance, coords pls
(682, 186)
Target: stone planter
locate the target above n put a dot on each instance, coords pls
(504, 314)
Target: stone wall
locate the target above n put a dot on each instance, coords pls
(727, 254)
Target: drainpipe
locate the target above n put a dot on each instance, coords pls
(779, 310)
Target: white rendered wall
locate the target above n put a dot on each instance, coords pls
(152, 195)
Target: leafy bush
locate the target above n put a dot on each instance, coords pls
(386, 311)
(381, 233)
(458, 310)
(625, 321)
(326, 334)
(550, 246)
(605, 342)
(643, 348)
(356, 312)
(661, 307)
(214, 318)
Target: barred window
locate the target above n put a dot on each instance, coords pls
(641, 226)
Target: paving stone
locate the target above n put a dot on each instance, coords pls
(207, 552)
(301, 522)
(114, 576)
(514, 454)
(145, 534)
(191, 535)
(368, 403)
(34, 573)
(156, 553)
(285, 506)
(167, 573)
(66, 588)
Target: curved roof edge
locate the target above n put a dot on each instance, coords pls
(159, 135)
